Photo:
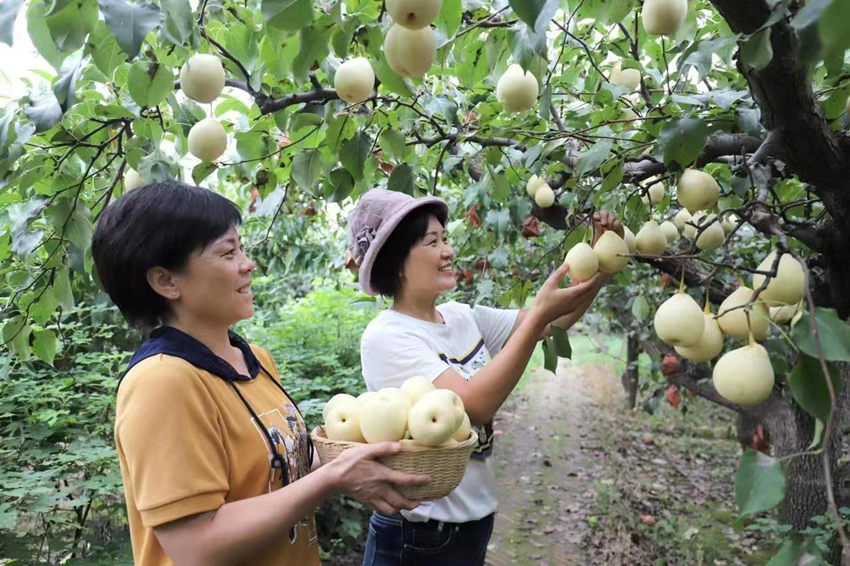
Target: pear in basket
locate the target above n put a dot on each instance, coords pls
(343, 422)
(435, 417)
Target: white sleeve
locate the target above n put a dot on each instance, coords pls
(389, 356)
(495, 326)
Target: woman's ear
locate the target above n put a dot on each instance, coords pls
(162, 282)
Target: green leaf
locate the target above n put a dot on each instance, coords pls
(253, 145)
(315, 47)
(287, 14)
(640, 308)
(499, 187)
(40, 34)
(203, 170)
(44, 345)
(17, 332)
(401, 179)
(79, 228)
(44, 111)
(8, 14)
(130, 23)
(757, 52)
(794, 552)
(179, 23)
(390, 81)
(105, 51)
(808, 386)
(65, 87)
(759, 483)
(833, 332)
(70, 26)
(550, 358)
(535, 13)
(339, 185)
(306, 167)
(449, 18)
(62, 289)
(354, 153)
(393, 143)
(591, 159)
(149, 83)
(834, 27)
(561, 341)
(682, 140)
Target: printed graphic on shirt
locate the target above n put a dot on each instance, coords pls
(288, 433)
(467, 366)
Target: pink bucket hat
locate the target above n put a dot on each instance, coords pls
(374, 218)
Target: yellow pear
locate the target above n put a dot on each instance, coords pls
(534, 183)
(413, 14)
(607, 248)
(733, 321)
(517, 89)
(654, 194)
(132, 179)
(202, 77)
(709, 345)
(629, 78)
(629, 238)
(679, 321)
(785, 313)
(650, 240)
(697, 190)
(712, 235)
(354, 80)
(681, 218)
(207, 140)
(788, 287)
(582, 262)
(410, 53)
(545, 196)
(663, 17)
(689, 230)
(670, 231)
(744, 376)
(730, 222)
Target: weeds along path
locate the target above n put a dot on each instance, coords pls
(546, 458)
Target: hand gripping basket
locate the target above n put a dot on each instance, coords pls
(445, 465)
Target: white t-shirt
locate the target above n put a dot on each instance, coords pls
(396, 346)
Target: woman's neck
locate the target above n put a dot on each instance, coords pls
(214, 338)
(423, 308)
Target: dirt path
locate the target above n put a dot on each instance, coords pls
(545, 477)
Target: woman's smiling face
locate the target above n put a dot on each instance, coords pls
(428, 268)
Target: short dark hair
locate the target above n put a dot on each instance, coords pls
(158, 225)
(386, 271)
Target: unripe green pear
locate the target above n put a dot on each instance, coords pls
(650, 240)
(202, 77)
(207, 140)
(679, 321)
(517, 89)
(607, 250)
(410, 53)
(663, 17)
(788, 287)
(697, 190)
(582, 262)
(354, 80)
(744, 376)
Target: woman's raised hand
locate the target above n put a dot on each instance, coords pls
(553, 303)
(361, 476)
(606, 220)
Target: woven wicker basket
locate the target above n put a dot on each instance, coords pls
(445, 465)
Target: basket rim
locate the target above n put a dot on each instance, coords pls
(318, 435)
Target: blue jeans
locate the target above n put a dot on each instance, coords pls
(395, 541)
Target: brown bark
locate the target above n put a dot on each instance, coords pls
(631, 375)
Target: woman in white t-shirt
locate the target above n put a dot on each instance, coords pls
(400, 246)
